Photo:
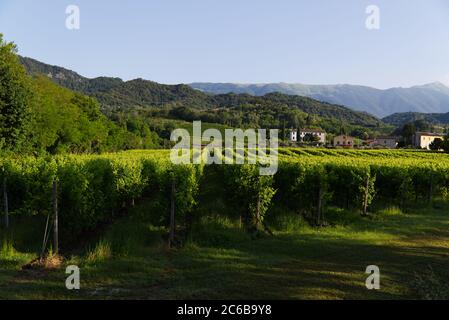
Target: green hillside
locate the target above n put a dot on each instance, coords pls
(40, 116)
(181, 102)
(399, 119)
(65, 121)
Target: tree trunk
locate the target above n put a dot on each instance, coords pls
(171, 239)
(5, 199)
(55, 214)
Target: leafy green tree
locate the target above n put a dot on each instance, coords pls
(14, 98)
(311, 138)
(445, 144)
(64, 121)
(408, 131)
(437, 144)
(360, 133)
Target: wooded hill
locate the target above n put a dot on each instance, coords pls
(400, 119)
(38, 116)
(182, 102)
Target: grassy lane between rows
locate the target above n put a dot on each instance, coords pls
(130, 260)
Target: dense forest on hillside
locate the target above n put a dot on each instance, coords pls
(114, 93)
(399, 119)
(40, 116)
(65, 121)
(143, 99)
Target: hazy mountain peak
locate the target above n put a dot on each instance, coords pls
(435, 86)
(428, 98)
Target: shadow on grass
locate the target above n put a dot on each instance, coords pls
(328, 263)
(222, 262)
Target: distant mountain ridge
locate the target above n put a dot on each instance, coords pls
(429, 98)
(114, 93)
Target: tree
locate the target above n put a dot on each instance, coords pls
(311, 138)
(408, 131)
(422, 125)
(360, 133)
(445, 145)
(437, 144)
(15, 95)
(310, 120)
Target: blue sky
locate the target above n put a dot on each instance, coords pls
(245, 41)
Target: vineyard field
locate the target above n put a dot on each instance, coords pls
(115, 209)
(95, 188)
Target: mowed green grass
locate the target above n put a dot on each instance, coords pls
(131, 261)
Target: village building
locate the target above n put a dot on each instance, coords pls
(294, 135)
(424, 139)
(344, 141)
(320, 134)
(385, 141)
(369, 142)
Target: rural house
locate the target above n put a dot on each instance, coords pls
(344, 141)
(385, 141)
(424, 139)
(320, 134)
(294, 135)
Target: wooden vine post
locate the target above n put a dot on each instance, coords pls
(320, 205)
(55, 216)
(258, 219)
(365, 200)
(258, 212)
(5, 200)
(431, 189)
(171, 238)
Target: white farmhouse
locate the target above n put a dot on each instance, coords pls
(294, 135)
(424, 139)
(320, 134)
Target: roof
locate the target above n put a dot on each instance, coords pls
(344, 136)
(387, 138)
(312, 130)
(431, 134)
